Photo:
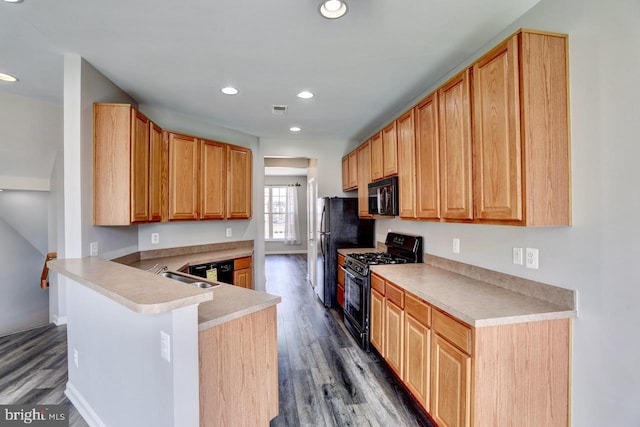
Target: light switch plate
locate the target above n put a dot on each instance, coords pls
(456, 245)
(517, 256)
(93, 249)
(229, 231)
(165, 346)
(155, 238)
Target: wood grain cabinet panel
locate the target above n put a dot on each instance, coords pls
(417, 360)
(378, 322)
(213, 179)
(377, 155)
(521, 135)
(394, 328)
(427, 159)
(340, 284)
(345, 173)
(406, 165)
(239, 183)
(353, 170)
(157, 174)
(456, 191)
(390, 150)
(184, 177)
(364, 178)
(450, 385)
(121, 151)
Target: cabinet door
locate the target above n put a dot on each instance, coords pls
(242, 278)
(417, 347)
(157, 172)
(213, 179)
(353, 169)
(427, 159)
(238, 182)
(345, 173)
(377, 322)
(390, 150)
(139, 167)
(364, 162)
(377, 156)
(407, 165)
(450, 385)
(455, 148)
(184, 161)
(394, 331)
(340, 290)
(497, 147)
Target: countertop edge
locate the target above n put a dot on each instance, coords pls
(238, 314)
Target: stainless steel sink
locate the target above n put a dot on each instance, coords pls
(186, 279)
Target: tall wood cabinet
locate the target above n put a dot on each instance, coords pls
(455, 148)
(394, 328)
(521, 137)
(377, 155)
(378, 314)
(213, 179)
(390, 150)
(238, 182)
(157, 174)
(427, 159)
(406, 165)
(121, 159)
(417, 349)
(364, 178)
(184, 177)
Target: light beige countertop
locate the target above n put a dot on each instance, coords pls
(178, 262)
(138, 290)
(473, 301)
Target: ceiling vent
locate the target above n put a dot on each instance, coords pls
(279, 110)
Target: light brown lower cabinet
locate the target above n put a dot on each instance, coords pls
(340, 284)
(503, 375)
(242, 272)
(238, 363)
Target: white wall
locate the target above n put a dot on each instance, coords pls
(121, 378)
(23, 233)
(598, 256)
(278, 247)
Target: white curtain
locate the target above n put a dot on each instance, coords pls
(291, 231)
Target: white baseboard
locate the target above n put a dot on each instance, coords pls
(83, 406)
(59, 320)
(286, 252)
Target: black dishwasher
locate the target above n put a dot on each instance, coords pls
(219, 271)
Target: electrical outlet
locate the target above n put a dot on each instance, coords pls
(532, 258)
(93, 249)
(229, 231)
(517, 256)
(165, 346)
(75, 357)
(456, 245)
(155, 238)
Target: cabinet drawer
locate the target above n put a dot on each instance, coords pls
(453, 331)
(240, 263)
(377, 283)
(417, 309)
(340, 259)
(395, 295)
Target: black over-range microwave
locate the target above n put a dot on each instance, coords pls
(383, 197)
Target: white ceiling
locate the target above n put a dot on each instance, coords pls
(177, 55)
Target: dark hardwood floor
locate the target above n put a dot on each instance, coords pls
(325, 379)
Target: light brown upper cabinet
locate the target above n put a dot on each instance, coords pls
(377, 154)
(406, 165)
(353, 169)
(213, 178)
(521, 137)
(157, 173)
(390, 150)
(120, 165)
(184, 177)
(238, 182)
(364, 178)
(427, 159)
(345, 173)
(455, 148)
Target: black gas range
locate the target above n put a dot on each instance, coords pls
(401, 249)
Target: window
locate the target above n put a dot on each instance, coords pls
(275, 211)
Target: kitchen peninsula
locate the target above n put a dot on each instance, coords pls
(147, 350)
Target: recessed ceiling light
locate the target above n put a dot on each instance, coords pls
(333, 9)
(305, 94)
(8, 78)
(229, 90)
(13, 1)
(295, 129)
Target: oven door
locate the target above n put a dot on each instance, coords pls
(356, 306)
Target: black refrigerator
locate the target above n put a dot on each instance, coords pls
(338, 226)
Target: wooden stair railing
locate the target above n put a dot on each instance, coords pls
(44, 278)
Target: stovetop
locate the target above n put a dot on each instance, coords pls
(401, 249)
(360, 262)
